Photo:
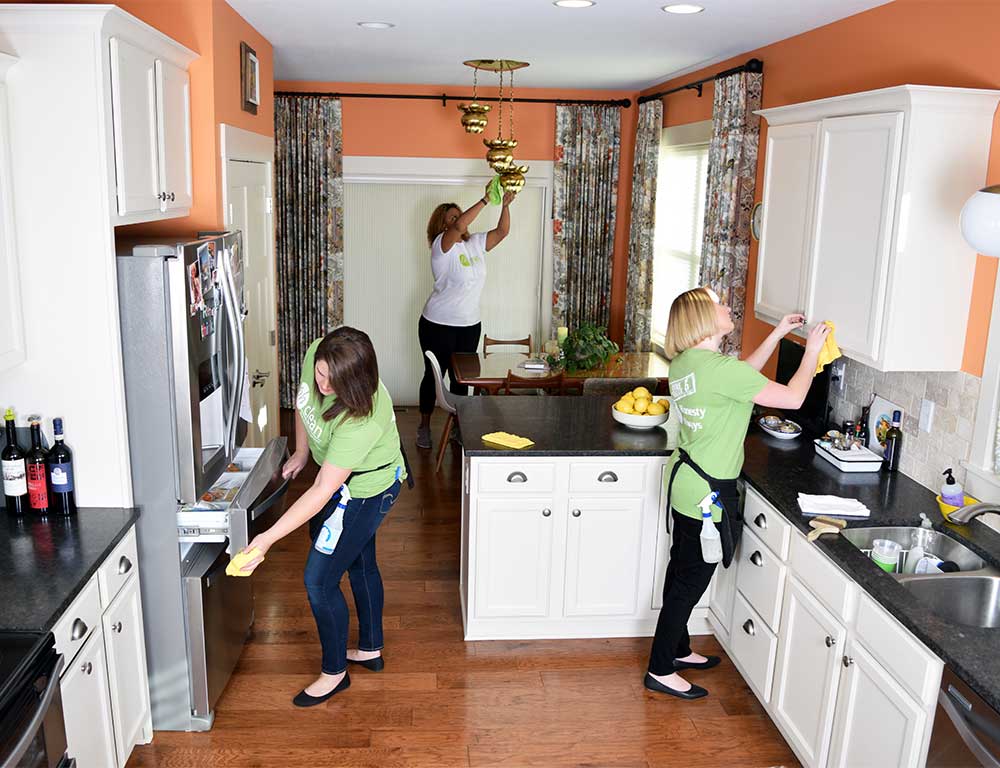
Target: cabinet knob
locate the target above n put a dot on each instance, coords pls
(87, 668)
(576, 513)
(546, 512)
(761, 521)
(117, 627)
(79, 629)
(124, 566)
(848, 661)
(830, 642)
(517, 477)
(607, 477)
(757, 559)
(749, 628)
(172, 196)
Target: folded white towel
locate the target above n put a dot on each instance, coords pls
(834, 506)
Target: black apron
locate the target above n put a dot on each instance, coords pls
(731, 524)
(406, 466)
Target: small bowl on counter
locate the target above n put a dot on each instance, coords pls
(783, 429)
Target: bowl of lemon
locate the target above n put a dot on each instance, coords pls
(638, 409)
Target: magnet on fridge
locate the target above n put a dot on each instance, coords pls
(194, 286)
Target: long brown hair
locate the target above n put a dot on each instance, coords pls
(353, 372)
(436, 225)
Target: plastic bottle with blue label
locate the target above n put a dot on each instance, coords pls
(329, 534)
(711, 541)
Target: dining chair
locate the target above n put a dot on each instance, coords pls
(525, 342)
(445, 401)
(608, 386)
(549, 385)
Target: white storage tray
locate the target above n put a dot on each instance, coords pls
(850, 461)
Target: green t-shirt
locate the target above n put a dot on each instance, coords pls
(714, 396)
(350, 443)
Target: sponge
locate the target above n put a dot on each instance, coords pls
(830, 350)
(239, 561)
(495, 192)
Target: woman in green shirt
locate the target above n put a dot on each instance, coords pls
(345, 422)
(714, 396)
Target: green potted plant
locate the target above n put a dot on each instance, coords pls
(585, 348)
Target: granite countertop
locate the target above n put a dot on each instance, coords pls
(559, 426)
(45, 563)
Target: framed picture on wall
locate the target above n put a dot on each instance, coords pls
(249, 78)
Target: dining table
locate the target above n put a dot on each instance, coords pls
(488, 372)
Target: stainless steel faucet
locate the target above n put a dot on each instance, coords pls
(965, 514)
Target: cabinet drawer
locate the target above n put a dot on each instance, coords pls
(903, 656)
(825, 580)
(77, 624)
(607, 478)
(516, 477)
(767, 523)
(761, 578)
(754, 647)
(117, 569)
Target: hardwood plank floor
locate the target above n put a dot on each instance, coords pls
(443, 702)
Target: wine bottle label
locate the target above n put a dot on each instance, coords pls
(15, 478)
(61, 476)
(38, 489)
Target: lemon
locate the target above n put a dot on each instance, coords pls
(624, 406)
(641, 405)
(628, 396)
(655, 409)
(641, 393)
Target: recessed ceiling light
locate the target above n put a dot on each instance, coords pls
(375, 24)
(574, 3)
(684, 8)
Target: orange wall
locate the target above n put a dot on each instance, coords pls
(924, 42)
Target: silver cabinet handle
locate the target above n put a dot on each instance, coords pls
(517, 477)
(87, 668)
(607, 477)
(117, 627)
(172, 196)
(757, 559)
(760, 521)
(576, 513)
(79, 629)
(830, 642)
(124, 566)
(749, 628)
(546, 512)
(848, 661)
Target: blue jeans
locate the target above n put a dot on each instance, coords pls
(354, 553)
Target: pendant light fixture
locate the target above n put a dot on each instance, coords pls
(980, 221)
(500, 151)
(474, 115)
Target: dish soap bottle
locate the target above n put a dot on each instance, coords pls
(952, 492)
(711, 542)
(893, 443)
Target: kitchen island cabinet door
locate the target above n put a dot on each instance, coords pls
(87, 707)
(514, 557)
(603, 540)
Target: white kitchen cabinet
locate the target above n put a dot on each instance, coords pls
(753, 647)
(12, 350)
(806, 674)
(514, 557)
(173, 115)
(878, 723)
(606, 532)
(721, 594)
(861, 198)
(86, 703)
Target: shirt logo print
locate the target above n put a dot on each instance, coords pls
(684, 387)
(302, 396)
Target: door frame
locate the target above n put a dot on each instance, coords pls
(462, 171)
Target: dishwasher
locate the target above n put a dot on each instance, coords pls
(966, 729)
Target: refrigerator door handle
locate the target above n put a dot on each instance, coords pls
(236, 336)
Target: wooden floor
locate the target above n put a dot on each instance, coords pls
(443, 702)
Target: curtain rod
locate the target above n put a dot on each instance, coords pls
(444, 98)
(754, 65)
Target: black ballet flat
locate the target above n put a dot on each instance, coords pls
(696, 691)
(303, 699)
(708, 663)
(375, 665)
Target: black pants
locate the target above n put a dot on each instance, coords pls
(443, 341)
(688, 577)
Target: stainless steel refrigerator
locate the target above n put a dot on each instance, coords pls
(201, 495)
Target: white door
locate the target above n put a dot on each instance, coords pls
(878, 724)
(514, 557)
(387, 271)
(86, 705)
(12, 351)
(248, 186)
(856, 193)
(783, 256)
(126, 650)
(173, 114)
(133, 94)
(602, 557)
(806, 674)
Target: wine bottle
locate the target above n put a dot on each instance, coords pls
(61, 485)
(15, 476)
(893, 443)
(38, 483)
(865, 436)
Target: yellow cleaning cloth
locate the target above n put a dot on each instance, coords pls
(239, 561)
(830, 351)
(505, 440)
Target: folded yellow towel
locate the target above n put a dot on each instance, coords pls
(239, 561)
(830, 350)
(506, 440)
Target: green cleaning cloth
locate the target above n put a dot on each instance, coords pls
(495, 192)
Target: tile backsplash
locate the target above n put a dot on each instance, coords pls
(925, 454)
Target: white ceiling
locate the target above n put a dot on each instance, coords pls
(616, 44)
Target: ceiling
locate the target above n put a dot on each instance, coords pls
(615, 44)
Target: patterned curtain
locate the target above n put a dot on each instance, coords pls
(309, 196)
(732, 174)
(639, 296)
(584, 198)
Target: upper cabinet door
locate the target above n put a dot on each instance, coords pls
(855, 204)
(133, 93)
(783, 256)
(12, 349)
(173, 114)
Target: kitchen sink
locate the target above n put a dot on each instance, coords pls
(970, 600)
(934, 543)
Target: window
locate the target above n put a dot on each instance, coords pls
(682, 177)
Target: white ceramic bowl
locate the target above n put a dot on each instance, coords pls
(637, 421)
(781, 435)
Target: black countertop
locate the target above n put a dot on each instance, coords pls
(45, 563)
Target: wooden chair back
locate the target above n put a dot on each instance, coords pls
(525, 342)
(550, 385)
